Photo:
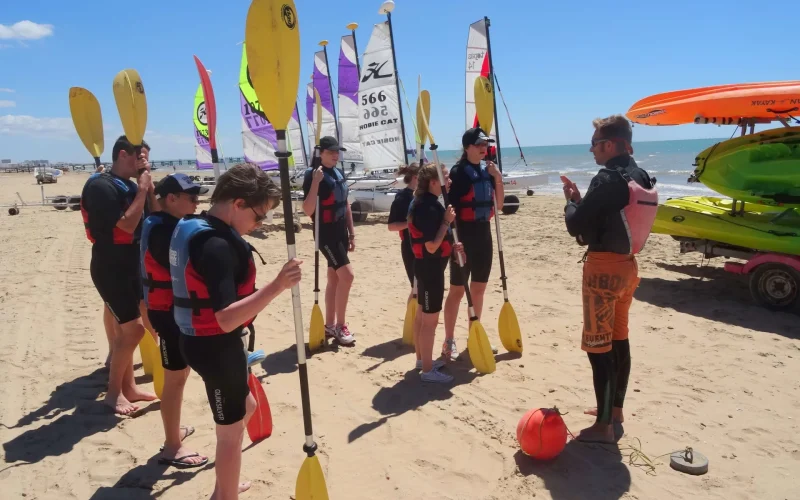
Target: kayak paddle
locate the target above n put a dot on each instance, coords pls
(260, 424)
(88, 121)
(316, 333)
(272, 37)
(480, 351)
(131, 105)
(211, 114)
(507, 324)
(411, 316)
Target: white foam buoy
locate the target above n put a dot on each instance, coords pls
(689, 462)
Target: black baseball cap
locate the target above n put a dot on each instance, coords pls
(176, 184)
(474, 136)
(330, 143)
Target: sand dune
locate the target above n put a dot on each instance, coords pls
(710, 370)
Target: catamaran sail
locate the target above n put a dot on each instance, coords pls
(202, 148)
(296, 141)
(477, 65)
(348, 100)
(310, 116)
(322, 84)
(379, 121)
(258, 136)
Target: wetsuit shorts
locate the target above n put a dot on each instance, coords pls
(221, 362)
(164, 324)
(408, 260)
(333, 243)
(609, 281)
(477, 240)
(115, 274)
(430, 283)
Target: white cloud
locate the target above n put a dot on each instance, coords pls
(25, 30)
(10, 91)
(7, 104)
(151, 136)
(4, 46)
(30, 125)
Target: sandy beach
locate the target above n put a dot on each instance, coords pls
(711, 370)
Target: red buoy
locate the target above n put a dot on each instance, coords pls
(542, 433)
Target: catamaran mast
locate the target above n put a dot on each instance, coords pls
(352, 27)
(324, 44)
(386, 8)
(494, 103)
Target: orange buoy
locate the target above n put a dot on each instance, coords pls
(542, 433)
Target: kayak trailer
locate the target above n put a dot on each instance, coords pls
(774, 277)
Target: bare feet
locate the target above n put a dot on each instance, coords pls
(244, 486)
(598, 433)
(186, 456)
(135, 394)
(616, 413)
(120, 404)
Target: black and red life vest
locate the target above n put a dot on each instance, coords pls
(418, 208)
(335, 205)
(478, 203)
(193, 311)
(127, 192)
(156, 282)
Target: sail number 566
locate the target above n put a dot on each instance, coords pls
(372, 99)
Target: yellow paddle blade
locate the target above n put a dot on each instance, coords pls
(423, 114)
(272, 41)
(318, 114)
(480, 350)
(484, 103)
(508, 326)
(316, 333)
(310, 481)
(88, 120)
(131, 104)
(144, 353)
(423, 119)
(408, 323)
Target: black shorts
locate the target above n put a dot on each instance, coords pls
(408, 260)
(221, 363)
(477, 240)
(116, 278)
(164, 324)
(430, 283)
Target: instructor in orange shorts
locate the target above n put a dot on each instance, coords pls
(614, 220)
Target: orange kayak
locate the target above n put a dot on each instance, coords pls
(721, 104)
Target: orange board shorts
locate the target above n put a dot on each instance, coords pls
(609, 280)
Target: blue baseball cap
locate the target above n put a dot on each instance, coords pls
(178, 183)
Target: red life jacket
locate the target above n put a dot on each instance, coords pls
(477, 204)
(156, 281)
(193, 311)
(639, 214)
(126, 194)
(418, 239)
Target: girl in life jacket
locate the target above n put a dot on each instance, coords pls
(476, 191)
(432, 246)
(215, 297)
(398, 218)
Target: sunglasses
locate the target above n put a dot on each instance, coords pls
(259, 217)
(192, 197)
(599, 141)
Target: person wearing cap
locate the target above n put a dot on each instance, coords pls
(112, 208)
(215, 300)
(177, 197)
(336, 234)
(599, 220)
(473, 191)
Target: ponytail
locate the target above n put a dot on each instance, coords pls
(408, 171)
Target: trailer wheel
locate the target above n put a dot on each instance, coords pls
(775, 286)
(74, 202)
(358, 215)
(60, 202)
(297, 227)
(510, 204)
(13, 211)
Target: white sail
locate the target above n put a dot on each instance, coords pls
(379, 123)
(296, 141)
(348, 101)
(477, 65)
(310, 117)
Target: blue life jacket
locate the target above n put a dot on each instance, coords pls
(335, 205)
(477, 204)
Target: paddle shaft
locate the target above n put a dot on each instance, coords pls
(316, 231)
(471, 308)
(283, 166)
(500, 249)
(494, 103)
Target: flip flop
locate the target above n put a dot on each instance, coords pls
(189, 431)
(256, 357)
(179, 461)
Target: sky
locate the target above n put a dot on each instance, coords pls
(559, 64)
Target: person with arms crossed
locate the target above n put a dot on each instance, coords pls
(215, 301)
(336, 235)
(112, 207)
(614, 220)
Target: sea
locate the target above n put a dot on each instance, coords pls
(670, 162)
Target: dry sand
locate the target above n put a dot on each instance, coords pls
(710, 370)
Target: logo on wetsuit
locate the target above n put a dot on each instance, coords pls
(218, 404)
